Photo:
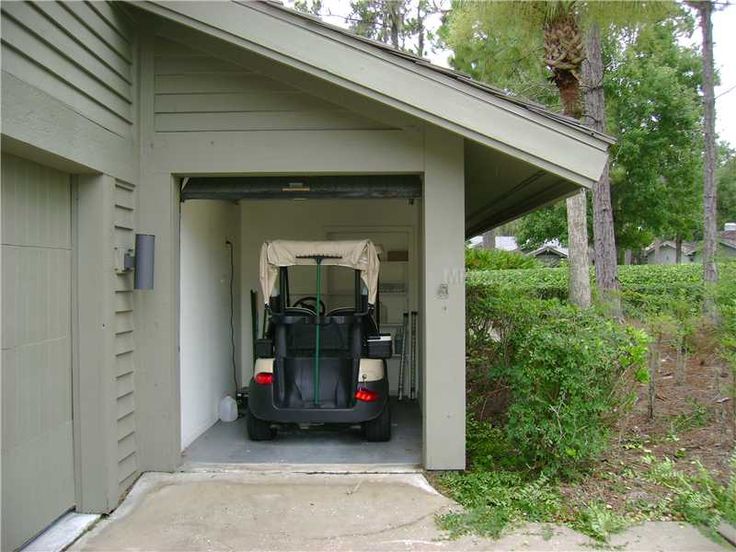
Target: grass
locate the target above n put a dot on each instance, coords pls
(498, 498)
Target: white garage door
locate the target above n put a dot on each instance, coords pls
(37, 453)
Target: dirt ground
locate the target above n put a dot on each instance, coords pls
(693, 422)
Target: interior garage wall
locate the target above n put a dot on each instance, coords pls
(205, 339)
(263, 220)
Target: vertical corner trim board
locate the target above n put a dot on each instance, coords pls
(124, 236)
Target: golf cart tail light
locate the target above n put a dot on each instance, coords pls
(366, 395)
(264, 378)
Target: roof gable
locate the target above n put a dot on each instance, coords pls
(478, 113)
(196, 90)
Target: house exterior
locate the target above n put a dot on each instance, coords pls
(666, 253)
(550, 253)
(113, 113)
(725, 250)
(692, 252)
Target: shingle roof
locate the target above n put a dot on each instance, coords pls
(457, 75)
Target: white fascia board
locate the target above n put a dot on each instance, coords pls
(562, 150)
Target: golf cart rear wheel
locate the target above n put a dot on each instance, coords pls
(258, 430)
(379, 429)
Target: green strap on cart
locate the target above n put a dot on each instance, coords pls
(318, 259)
(316, 333)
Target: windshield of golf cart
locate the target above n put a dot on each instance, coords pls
(338, 289)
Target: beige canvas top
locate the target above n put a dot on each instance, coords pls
(356, 254)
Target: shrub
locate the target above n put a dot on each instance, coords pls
(567, 381)
(498, 259)
(566, 372)
(726, 301)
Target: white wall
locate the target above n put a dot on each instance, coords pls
(318, 220)
(205, 341)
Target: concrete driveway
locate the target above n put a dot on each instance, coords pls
(301, 511)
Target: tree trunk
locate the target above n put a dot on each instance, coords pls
(628, 256)
(562, 40)
(657, 251)
(653, 370)
(710, 230)
(489, 239)
(603, 235)
(577, 237)
(420, 30)
(394, 22)
(678, 249)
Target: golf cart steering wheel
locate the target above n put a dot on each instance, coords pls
(311, 303)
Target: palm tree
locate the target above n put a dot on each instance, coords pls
(564, 52)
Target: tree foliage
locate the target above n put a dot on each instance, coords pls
(655, 112)
(400, 23)
(651, 83)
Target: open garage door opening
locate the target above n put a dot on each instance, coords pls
(224, 223)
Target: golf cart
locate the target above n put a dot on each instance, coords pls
(315, 366)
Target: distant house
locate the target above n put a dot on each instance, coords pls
(667, 253)
(692, 252)
(550, 253)
(726, 244)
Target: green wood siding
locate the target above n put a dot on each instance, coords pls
(198, 92)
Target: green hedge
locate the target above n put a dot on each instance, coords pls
(498, 259)
(645, 289)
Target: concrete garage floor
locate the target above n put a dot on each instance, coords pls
(227, 443)
(288, 511)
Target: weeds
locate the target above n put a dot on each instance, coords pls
(599, 521)
(696, 498)
(494, 501)
(696, 418)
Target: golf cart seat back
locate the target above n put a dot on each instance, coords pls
(335, 339)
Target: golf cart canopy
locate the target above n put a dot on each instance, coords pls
(356, 254)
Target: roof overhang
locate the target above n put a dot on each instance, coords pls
(518, 155)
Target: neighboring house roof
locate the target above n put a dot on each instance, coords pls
(728, 243)
(518, 155)
(552, 247)
(688, 248)
(729, 235)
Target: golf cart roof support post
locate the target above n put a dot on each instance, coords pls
(283, 288)
(358, 302)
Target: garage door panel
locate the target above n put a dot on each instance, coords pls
(37, 446)
(40, 202)
(36, 298)
(31, 463)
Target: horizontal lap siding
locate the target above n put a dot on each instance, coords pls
(124, 232)
(78, 52)
(196, 92)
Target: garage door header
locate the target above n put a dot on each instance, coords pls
(407, 186)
